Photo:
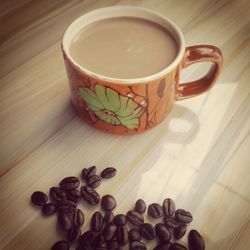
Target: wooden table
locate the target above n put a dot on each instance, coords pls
(199, 156)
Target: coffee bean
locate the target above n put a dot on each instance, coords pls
(73, 195)
(84, 173)
(163, 246)
(155, 210)
(134, 234)
(172, 223)
(122, 234)
(49, 208)
(60, 245)
(57, 194)
(84, 247)
(39, 198)
(66, 203)
(195, 241)
(135, 218)
(147, 231)
(87, 238)
(78, 217)
(168, 207)
(102, 245)
(183, 216)
(137, 245)
(140, 206)
(90, 195)
(74, 233)
(88, 172)
(108, 202)
(96, 222)
(109, 231)
(69, 183)
(112, 245)
(65, 221)
(177, 246)
(94, 181)
(98, 238)
(108, 217)
(108, 173)
(120, 219)
(66, 207)
(162, 232)
(180, 231)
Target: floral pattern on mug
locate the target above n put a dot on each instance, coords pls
(112, 107)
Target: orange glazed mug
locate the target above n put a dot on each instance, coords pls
(130, 106)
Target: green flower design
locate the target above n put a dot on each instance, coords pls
(111, 107)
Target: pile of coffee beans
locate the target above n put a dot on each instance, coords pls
(109, 231)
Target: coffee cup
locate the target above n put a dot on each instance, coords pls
(115, 87)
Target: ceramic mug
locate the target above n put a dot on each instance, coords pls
(130, 106)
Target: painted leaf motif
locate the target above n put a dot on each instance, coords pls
(90, 98)
(107, 118)
(111, 107)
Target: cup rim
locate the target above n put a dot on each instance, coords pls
(145, 79)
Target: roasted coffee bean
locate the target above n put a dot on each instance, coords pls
(65, 221)
(177, 246)
(147, 231)
(78, 218)
(108, 202)
(66, 203)
(108, 173)
(91, 171)
(49, 208)
(96, 222)
(195, 241)
(135, 218)
(108, 217)
(172, 223)
(140, 206)
(162, 232)
(74, 195)
(120, 219)
(98, 238)
(74, 233)
(39, 198)
(84, 173)
(163, 246)
(94, 181)
(112, 245)
(180, 231)
(60, 245)
(155, 210)
(69, 183)
(57, 194)
(87, 238)
(84, 247)
(90, 195)
(88, 172)
(168, 207)
(183, 216)
(66, 207)
(102, 245)
(134, 234)
(122, 234)
(109, 231)
(137, 245)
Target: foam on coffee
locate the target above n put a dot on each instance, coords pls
(124, 47)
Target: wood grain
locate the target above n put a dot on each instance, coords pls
(199, 156)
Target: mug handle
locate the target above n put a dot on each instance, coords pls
(196, 54)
